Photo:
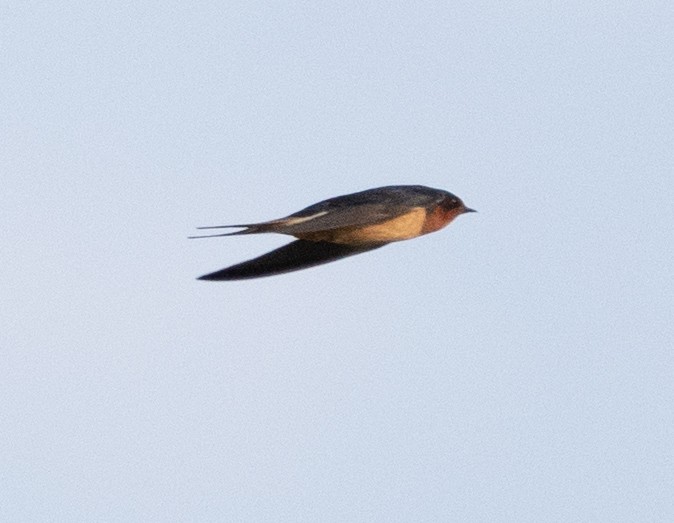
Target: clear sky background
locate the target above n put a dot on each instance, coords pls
(516, 366)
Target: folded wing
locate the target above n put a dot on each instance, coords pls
(322, 220)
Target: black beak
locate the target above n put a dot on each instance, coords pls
(466, 209)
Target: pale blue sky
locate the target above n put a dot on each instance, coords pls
(516, 366)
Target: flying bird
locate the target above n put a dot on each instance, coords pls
(344, 226)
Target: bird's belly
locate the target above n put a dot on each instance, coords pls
(403, 227)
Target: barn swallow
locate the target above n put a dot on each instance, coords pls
(344, 226)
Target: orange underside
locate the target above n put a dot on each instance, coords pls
(440, 218)
(410, 225)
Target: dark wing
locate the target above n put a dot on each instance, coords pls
(362, 208)
(352, 210)
(300, 254)
(322, 220)
(336, 218)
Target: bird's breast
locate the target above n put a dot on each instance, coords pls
(439, 218)
(404, 227)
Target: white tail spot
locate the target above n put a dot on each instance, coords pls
(302, 219)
